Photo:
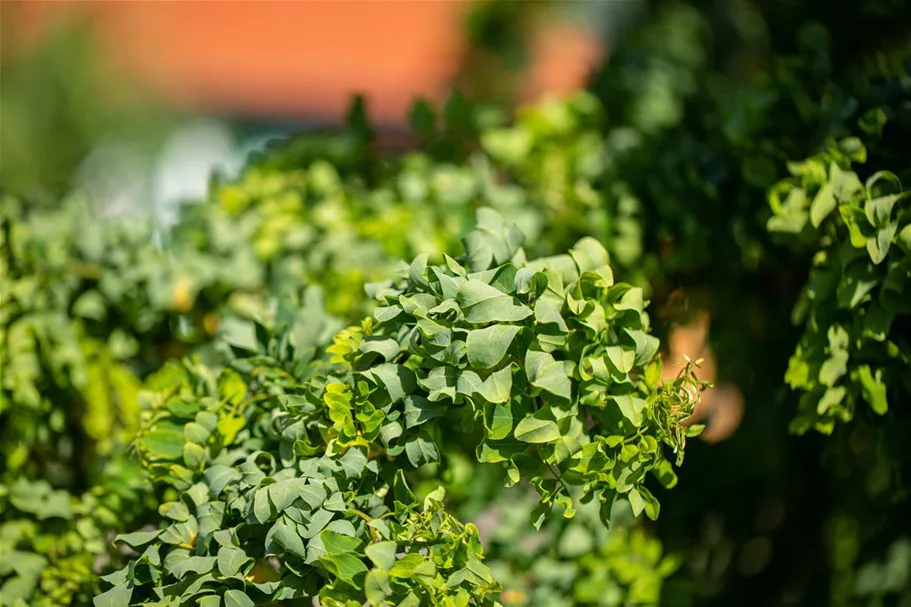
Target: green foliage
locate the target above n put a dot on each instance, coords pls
(83, 306)
(61, 98)
(261, 512)
(856, 301)
(52, 542)
(294, 467)
(323, 209)
(88, 308)
(534, 349)
(276, 465)
(93, 306)
(707, 105)
(577, 561)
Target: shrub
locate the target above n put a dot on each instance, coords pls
(289, 474)
(854, 305)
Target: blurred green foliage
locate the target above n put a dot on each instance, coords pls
(294, 459)
(740, 93)
(60, 99)
(862, 267)
(310, 211)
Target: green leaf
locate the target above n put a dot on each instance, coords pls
(339, 543)
(482, 303)
(858, 228)
(853, 148)
(283, 493)
(118, 596)
(831, 398)
(165, 441)
(537, 429)
(386, 313)
(631, 407)
(568, 444)
(621, 359)
(872, 121)
(589, 255)
(192, 564)
(493, 452)
(37, 497)
(231, 560)
(376, 587)
(547, 374)
(400, 489)
(220, 476)
(441, 383)
(823, 204)
(116, 578)
(419, 410)
(845, 184)
(833, 368)
(177, 511)
(346, 566)
(904, 239)
(487, 347)
(641, 499)
(229, 427)
(878, 245)
(421, 449)
(354, 461)
(873, 389)
(137, 539)
(474, 291)
(507, 145)
(196, 433)
(386, 347)
(853, 288)
(284, 533)
(382, 554)
(501, 420)
(398, 380)
(498, 386)
(263, 511)
(236, 598)
(195, 456)
(879, 210)
(405, 566)
(664, 471)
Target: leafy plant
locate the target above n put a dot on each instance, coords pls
(53, 542)
(542, 368)
(84, 304)
(574, 561)
(279, 449)
(855, 304)
(93, 306)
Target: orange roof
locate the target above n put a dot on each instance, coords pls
(306, 58)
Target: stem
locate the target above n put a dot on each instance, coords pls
(367, 518)
(554, 471)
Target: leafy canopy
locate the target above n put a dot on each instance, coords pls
(289, 467)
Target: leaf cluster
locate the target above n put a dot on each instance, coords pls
(289, 473)
(856, 300)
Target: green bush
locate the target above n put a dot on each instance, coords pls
(856, 289)
(123, 306)
(294, 469)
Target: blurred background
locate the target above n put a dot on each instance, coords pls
(138, 101)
